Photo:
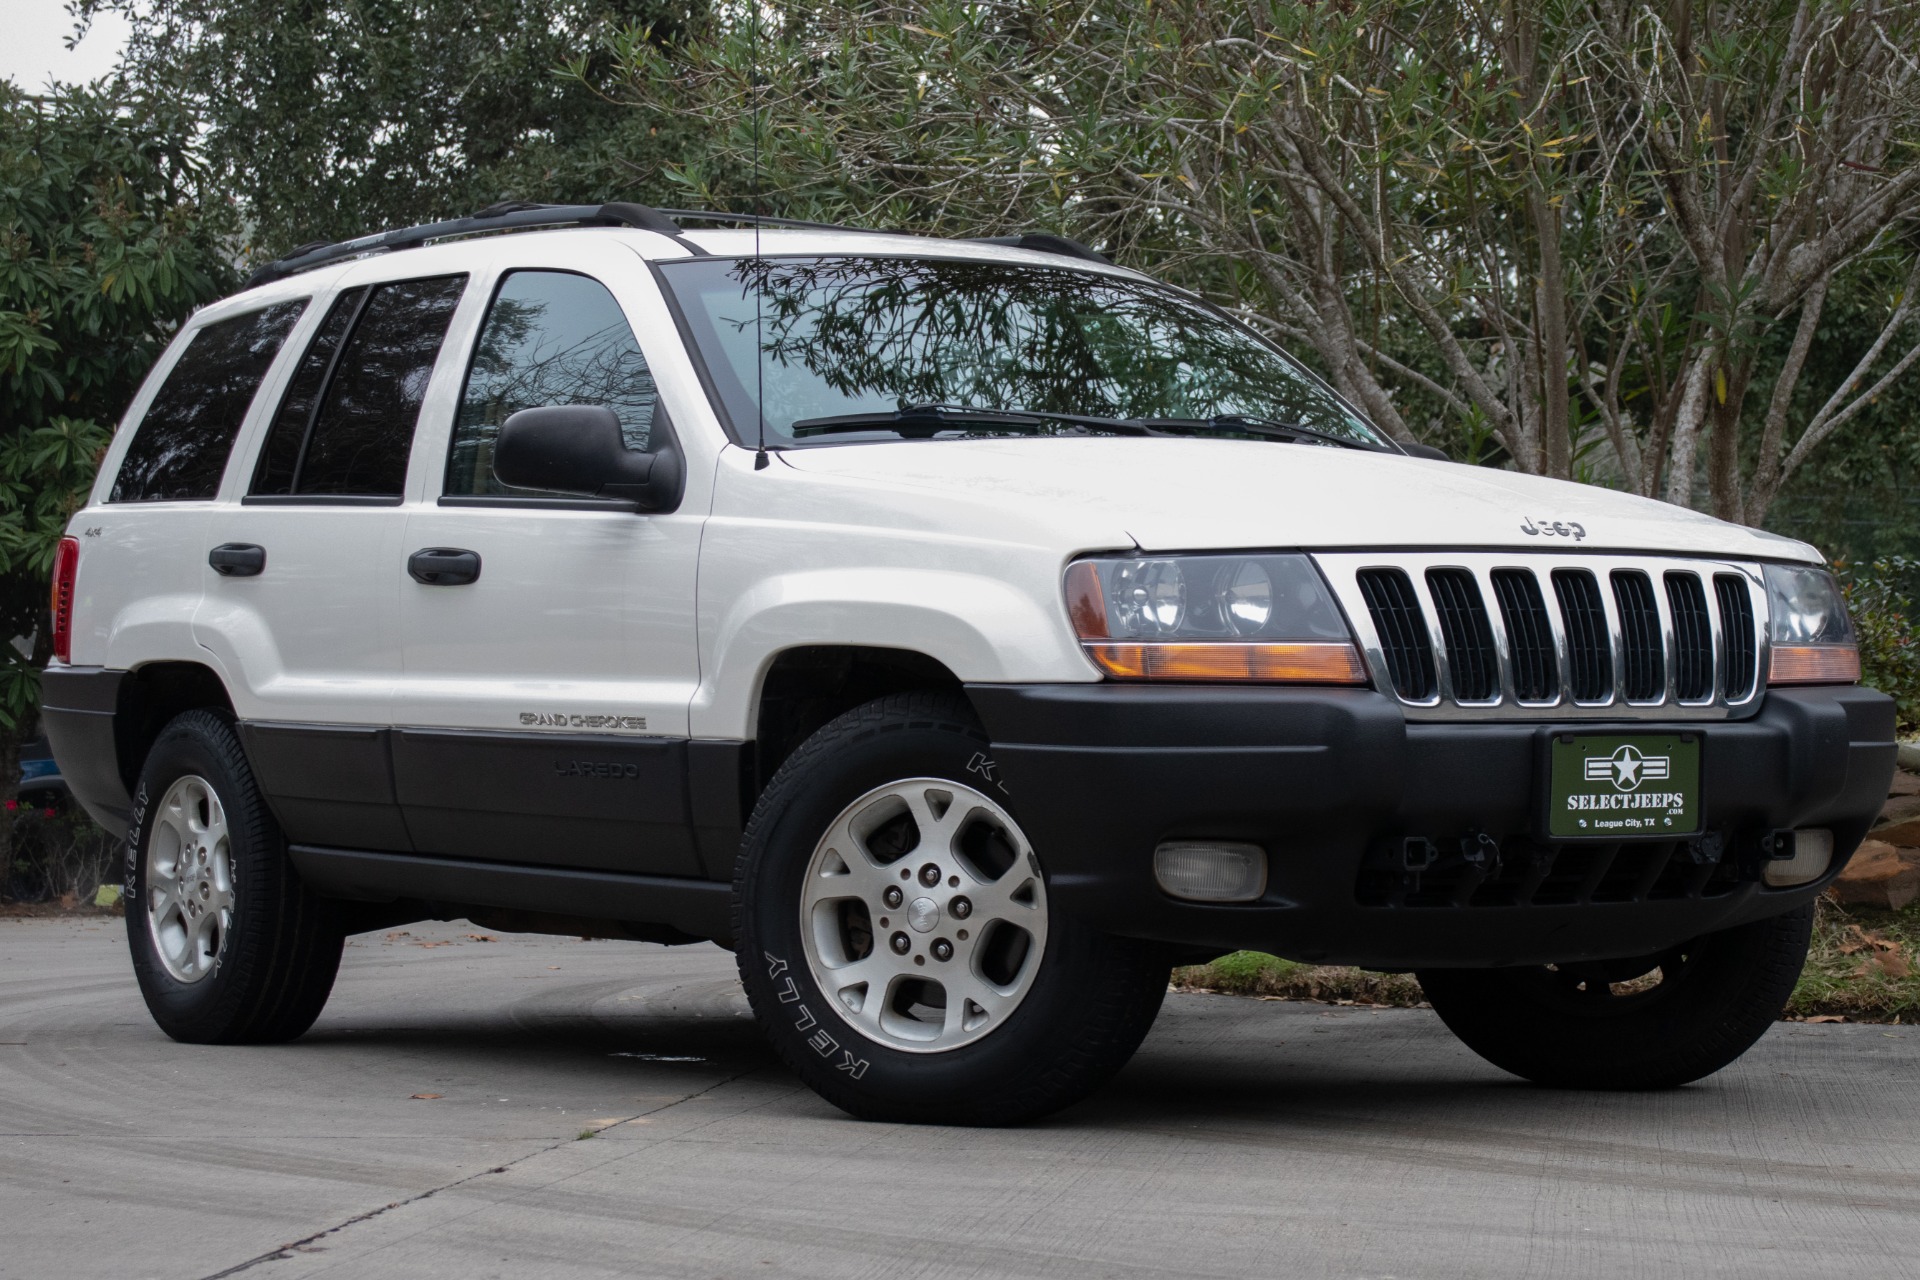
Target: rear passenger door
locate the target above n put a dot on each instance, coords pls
(304, 619)
(543, 704)
(140, 579)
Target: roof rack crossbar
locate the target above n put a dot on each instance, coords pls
(506, 216)
(763, 220)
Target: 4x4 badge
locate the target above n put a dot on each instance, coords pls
(1627, 768)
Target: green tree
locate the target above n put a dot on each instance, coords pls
(108, 239)
(1597, 235)
(329, 120)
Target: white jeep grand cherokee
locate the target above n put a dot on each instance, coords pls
(963, 632)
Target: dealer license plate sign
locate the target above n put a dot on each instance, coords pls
(1623, 786)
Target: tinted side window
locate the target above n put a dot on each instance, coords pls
(180, 448)
(289, 432)
(551, 338)
(361, 395)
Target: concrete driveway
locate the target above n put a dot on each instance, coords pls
(1249, 1138)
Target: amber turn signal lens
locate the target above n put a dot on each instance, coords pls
(1290, 663)
(1814, 664)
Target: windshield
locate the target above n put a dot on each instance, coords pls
(848, 338)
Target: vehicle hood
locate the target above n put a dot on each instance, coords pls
(1181, 495)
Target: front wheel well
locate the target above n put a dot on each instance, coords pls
(150, 697)
(809, 686)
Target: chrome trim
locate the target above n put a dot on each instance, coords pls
(1342, 570)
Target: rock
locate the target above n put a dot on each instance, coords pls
(1908, 755)
(1899, 809)
(1880, 876)
(1904, 784)
(1905, 833)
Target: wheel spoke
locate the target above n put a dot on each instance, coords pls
(973, 1004)
(937, 829)
(876, 972)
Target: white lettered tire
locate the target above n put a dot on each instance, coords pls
(897, 942)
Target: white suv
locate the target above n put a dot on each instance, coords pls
(961, 631)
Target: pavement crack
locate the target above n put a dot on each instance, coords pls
(287, 1250)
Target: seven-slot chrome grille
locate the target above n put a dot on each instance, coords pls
(1486, 635)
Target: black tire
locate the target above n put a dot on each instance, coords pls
(1091, 1000)
(1612, 1025)
(276, 962)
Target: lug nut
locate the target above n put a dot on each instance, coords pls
(929, 875)
(960, 908)
(942, 949)
(893, 897)
(900, 943)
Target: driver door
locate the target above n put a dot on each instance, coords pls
(543, 700)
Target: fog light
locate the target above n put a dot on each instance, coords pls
(1797, 857)
(1211, 870)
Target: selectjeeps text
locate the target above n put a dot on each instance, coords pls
(963, 632)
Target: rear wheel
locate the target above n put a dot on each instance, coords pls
(897, 941)
(1651, 1022)
(228, 945)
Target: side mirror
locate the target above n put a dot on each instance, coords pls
(1425, 451)
(578, 448)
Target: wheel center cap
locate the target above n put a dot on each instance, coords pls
(923, 914)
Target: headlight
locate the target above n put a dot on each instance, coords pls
(1810, 633)
(1230, 617)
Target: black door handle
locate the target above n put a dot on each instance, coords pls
(238, 560)
(444, 567)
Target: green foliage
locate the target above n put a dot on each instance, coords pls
(1577, 237)
(333, 119)
(108, 239)
(1889, 643)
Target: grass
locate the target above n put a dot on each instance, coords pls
(1864, 966)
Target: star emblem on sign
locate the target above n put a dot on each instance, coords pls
(1627, 768)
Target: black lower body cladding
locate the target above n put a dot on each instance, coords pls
(1334, 783)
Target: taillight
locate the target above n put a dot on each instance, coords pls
(66, 566)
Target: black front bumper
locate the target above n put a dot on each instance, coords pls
(1334, 783)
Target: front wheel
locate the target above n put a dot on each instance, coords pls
(1652, 1022)
(897, 942)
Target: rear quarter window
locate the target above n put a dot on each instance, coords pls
(180, 448)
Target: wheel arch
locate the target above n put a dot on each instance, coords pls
(805, 687)
(152, 695)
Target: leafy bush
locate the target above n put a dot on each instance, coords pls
(1889, 643)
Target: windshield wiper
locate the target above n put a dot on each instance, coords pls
(924, 421)
(1266, 428)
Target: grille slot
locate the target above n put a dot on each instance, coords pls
(1692, 638)
(1556, 635)
(1402, 625)
(1589, 650)
(1643, 656)
(1536, 671)
(1736, 626)
(1472, 664)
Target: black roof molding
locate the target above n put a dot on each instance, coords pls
(506, 216)
(513, 215)
(1047, 242)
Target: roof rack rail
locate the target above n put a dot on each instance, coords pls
(510, 215)
(505, 216)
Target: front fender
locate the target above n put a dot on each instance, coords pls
(982, 629)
